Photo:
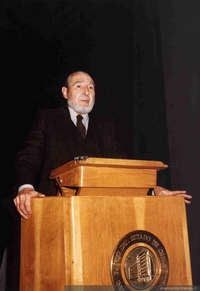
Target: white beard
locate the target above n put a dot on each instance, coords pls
(80, 109)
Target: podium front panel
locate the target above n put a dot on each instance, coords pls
(69, 241)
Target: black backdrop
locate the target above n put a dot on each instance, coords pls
(136, 51)
(180, 23)
(118, 42)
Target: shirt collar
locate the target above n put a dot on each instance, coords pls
(73, 115)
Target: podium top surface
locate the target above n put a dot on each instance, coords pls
(107, 162)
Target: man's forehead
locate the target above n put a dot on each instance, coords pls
(81, 77)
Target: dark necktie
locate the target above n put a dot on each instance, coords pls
(80, 126)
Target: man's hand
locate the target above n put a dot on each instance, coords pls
(160, 191)
(23, 201)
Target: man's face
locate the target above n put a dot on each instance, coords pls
(80, 93)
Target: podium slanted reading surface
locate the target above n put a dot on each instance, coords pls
(103, 230)
(93, 176)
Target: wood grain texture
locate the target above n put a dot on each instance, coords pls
(107, 173)
(70, 240)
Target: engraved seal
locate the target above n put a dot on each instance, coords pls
(139, 262)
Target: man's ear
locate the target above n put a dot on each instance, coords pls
(64, 92)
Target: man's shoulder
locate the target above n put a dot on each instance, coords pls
(55, 111)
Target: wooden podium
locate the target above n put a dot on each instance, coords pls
(104, 231)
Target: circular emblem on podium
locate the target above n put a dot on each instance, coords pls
(139, 262)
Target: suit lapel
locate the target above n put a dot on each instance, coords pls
(68, 131)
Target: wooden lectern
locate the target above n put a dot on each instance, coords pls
(103, 230)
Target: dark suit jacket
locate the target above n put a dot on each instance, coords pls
(54, 140)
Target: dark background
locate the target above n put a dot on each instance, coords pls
(144, 57)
